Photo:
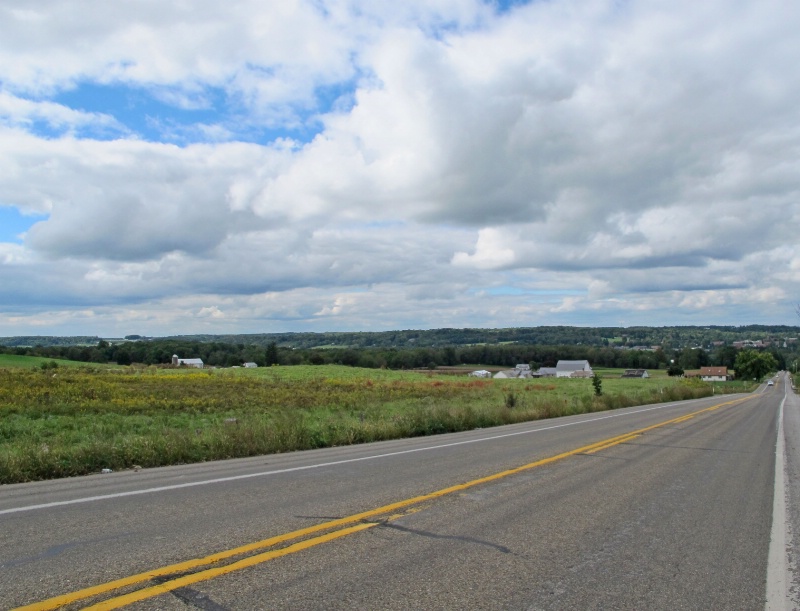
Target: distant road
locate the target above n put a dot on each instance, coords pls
(655, 507)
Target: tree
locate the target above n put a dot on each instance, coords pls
(271, 354)
(598, 385)
(349, 357)
(725, 357)
(779, 358)
(674, 370)
(316, 358)
(754, 364)
(693, 358)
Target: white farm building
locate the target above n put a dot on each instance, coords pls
(574, 369)
(196, 363)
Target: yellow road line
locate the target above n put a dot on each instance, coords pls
(610, 445)
(180, 582)
(65, 599)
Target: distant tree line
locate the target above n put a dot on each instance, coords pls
(224, 354)
(668, 338)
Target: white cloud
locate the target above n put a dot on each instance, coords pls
(491, 252)
(17, 112)
(639, 160)
(210, 312)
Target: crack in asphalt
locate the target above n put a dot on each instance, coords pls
(56, 550)
(430, 535)
(190, 596)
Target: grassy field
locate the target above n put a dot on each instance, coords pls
(71, 421)
(30, 362)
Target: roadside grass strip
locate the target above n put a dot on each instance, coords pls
(338, 528)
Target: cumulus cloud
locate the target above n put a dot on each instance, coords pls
(491, 251)
(612, 162)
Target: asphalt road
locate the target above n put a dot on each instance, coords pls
(655, 507)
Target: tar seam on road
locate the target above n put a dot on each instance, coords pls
(104, 497)
(358, 520)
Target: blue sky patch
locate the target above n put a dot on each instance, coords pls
(514, 291)
(210, 114)
(13, 223)
(140, 110)
(504, 6)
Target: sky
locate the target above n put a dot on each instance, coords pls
(353, 165)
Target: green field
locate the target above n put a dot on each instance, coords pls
(29, 362)
(72, 421)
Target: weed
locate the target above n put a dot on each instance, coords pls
(83, 420)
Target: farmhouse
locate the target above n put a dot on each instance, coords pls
(714, 374)
(709, 374)
(573, 369)
(545, 372)
(481, 373)
(197, 363)
(250, 365)
(636, 373)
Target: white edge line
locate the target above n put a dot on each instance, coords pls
(779, 566)
(116, 495)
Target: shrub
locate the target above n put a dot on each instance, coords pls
(597, 383)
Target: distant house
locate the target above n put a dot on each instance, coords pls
(250, 365)
(520, 371)
(714, 374)
(636, 373)
(574, 369)
(481, 373)
(197, 363)
(749, 343)
(545, 372)
(709, 374)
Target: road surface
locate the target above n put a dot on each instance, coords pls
(656, 507)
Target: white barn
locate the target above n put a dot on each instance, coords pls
(196, 363)
(573, 369)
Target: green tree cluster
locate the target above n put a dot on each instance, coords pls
(753, 364)
(602, 347)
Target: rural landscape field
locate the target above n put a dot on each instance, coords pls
(61, 418)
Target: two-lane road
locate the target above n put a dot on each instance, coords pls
(656, 507)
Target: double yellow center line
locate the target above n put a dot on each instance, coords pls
(336, 529)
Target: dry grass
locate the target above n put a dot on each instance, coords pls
(64, 422)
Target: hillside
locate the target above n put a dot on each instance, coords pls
(666, 337)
